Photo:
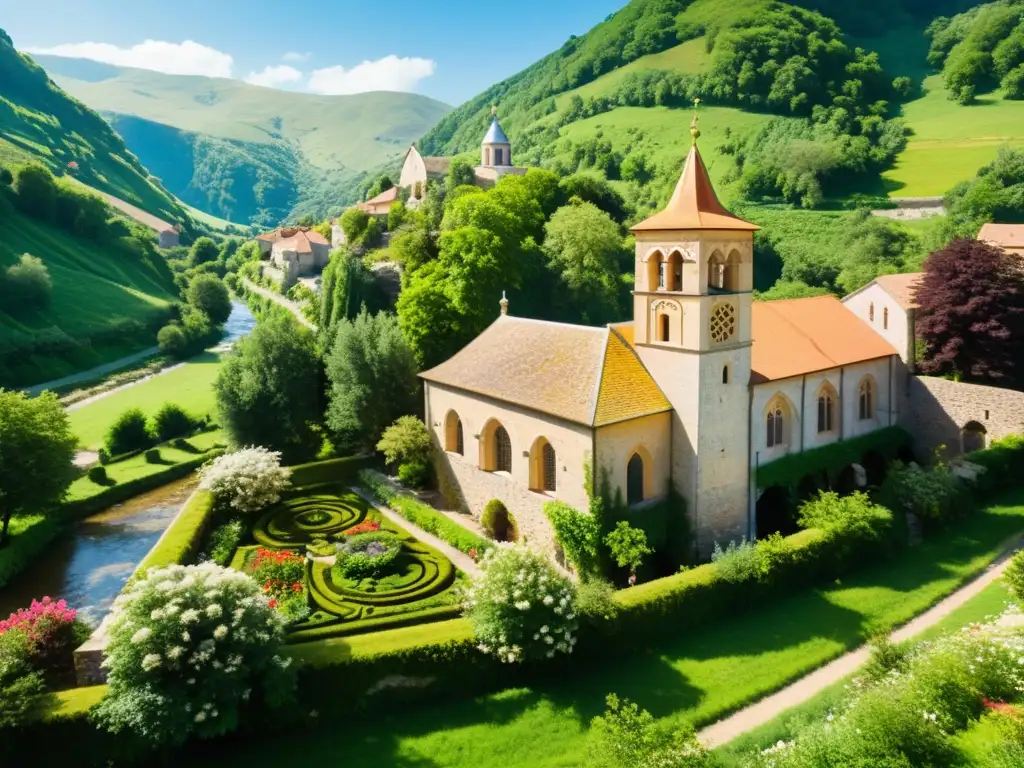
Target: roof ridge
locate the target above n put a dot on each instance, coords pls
(541, 321)
(596, 395)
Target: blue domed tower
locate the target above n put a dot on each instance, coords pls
(495, 151)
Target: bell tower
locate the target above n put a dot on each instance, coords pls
(496, 150)
(692, 329)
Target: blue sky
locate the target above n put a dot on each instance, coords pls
(448, 49)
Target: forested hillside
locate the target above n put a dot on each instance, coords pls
(39, 122)
(246, 153)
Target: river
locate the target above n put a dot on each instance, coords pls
(91, 561)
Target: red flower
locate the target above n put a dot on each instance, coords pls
(272, 603)
(472, 553)
(367, 526)
(296, 587)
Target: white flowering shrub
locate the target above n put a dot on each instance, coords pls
(247, 480)
(521, 607)
(188, 646)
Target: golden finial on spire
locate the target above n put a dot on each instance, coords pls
(694, 130)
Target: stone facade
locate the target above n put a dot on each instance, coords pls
(959, 416)
(650, 437)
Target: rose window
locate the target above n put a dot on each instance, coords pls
(723, 323)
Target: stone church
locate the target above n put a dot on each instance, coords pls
(418, 171)
(694, 393)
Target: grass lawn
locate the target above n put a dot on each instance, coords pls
(988, 603)
(951, 142)
(702, 676)
(190, 385)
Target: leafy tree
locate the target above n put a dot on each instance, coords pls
(396, 215)
(347, 284)
(636, 167)
(971, 315)
(26, 285)
(129, 432)
(628, 547)
(591, 189)
(372, 375)
(269, 390)
(204, 250)
(460, 173)
(874, 246)
(995, 194)
(791, 289)
(408, 444)
(36, 453)
(171, 421)
(353, 223)
(381, 184)
(210, 296)
(584, 247)
(37, 192)
(6, 177)
(172, 340)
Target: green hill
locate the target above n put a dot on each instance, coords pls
(773, 77)
(243, 152)
(39, 122)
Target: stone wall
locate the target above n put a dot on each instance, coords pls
(936, 411)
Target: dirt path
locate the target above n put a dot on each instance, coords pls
(277, 298)
(92, 373)
(770, 707)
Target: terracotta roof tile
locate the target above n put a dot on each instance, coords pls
(298, 239)
(1003, 235)
(901, 287)
(387, 196)
(798, 336)
(694, 204)
(578, 373)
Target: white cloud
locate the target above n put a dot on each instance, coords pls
(388, 74)
(187, 58)
(272, 77)
(296, 57)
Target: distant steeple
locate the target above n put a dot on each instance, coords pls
(495, 150)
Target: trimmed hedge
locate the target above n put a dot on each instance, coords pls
(833, 458)
(183, 538)
(423, 515)
(1003, 461)
(330, 471)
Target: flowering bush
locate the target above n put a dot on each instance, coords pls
(187, 646)
(367, 526)
(909, 716)
(52, 631)
(367, 554)
(246, 480)
(282, 576)
(521, 608)
(626, 736)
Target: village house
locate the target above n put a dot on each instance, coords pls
(694, 394)
(295, 251)
(1009, 237)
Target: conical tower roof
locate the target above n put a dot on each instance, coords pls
(495, 135)
(694, 204)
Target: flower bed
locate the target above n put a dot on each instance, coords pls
(367, 554)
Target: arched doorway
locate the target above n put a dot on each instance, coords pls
(846, 483)
(635, 480)
(875, 465)
(775, 512)
(973, 437)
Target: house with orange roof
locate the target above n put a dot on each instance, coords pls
(697, 391)
(889, 306)
(1009, 237)
(295, 251)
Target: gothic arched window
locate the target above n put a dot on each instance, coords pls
(502, 450)
(775, 423)
(550, 465)
(826, 408)
(866, 405)
(635, 480)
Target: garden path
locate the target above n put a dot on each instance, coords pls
(277, 298)
(92, 373)
(462, 561)
(770, 707)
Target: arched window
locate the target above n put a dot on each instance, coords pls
(716, 270)
(826, 408)
(550, 480)
(885, 318)
(871, 311)
(725, 374)
(731, 273)
(664, 328)
(453, 434)
(775, 423)
(502, 450)
(499, 156)
(487, 155)
(866, 404)
(675, 272)
(635, 480)
(655, 274)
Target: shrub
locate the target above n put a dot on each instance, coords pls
(736, 563)
(497, 522)
(19, 685)
(172, 341)
(1014, 576)
(931, 494)
(26, 285)
(98, 475)
(153, 456)
(224, 541)
(52, 630)
(406, 440)
(578, 534)
(171, 421)
(626, 736)
(128, 434)
(367, 554)
(247, 480)
(209, 295)
(628, 547)
(852, 518)
(414, 474)
(595, 602)
(187, 646)
(521, 608)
